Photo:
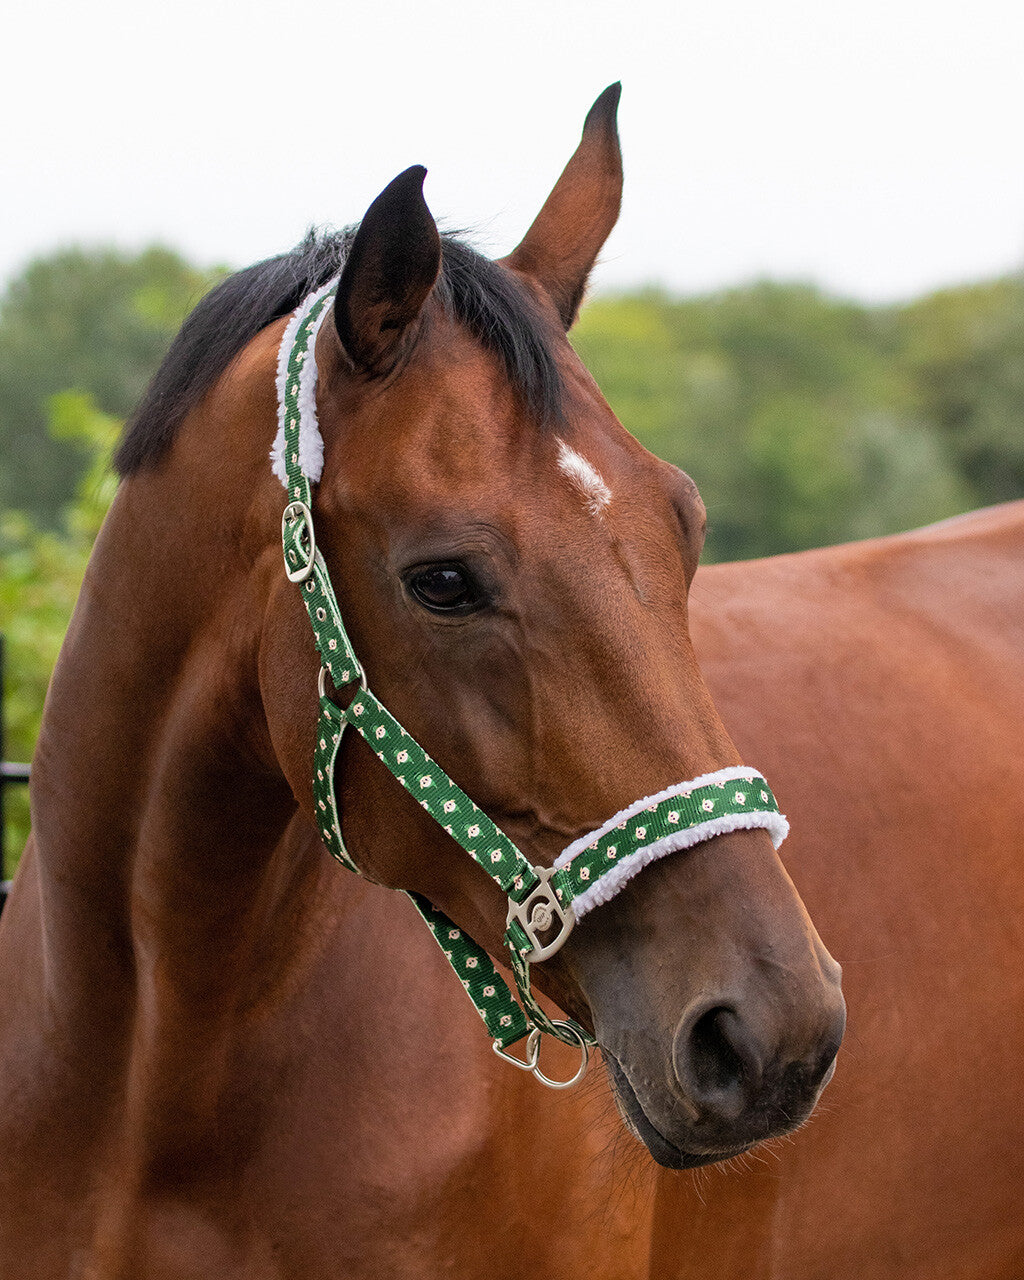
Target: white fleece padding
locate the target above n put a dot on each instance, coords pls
(311, 443)
(608, 885)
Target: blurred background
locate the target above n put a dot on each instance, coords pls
(813, 302)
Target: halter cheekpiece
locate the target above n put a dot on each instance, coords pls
(544, 903)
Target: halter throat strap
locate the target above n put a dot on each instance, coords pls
(544, 903)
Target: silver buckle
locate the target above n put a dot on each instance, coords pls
(538, 913)
(298, 572)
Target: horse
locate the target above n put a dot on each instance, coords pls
(210, 1060)
(222, 1056)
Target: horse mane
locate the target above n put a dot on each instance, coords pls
(478, 293)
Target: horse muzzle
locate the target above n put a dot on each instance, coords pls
(736, 1079)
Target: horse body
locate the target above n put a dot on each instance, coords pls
(882, 683)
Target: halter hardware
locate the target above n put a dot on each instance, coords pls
(584, 1044)
(321, 682)
(531, 1062)
(538, 913)
(299, 545)
(541, 899)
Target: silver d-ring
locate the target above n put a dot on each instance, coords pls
(321, 680)
(533, 1055)
(299, 511)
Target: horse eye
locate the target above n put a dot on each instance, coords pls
(445, 588)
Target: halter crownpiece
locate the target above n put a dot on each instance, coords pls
(544, 903)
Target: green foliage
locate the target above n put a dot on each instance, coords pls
(96, 321)
(796, 413)
(40, 573)
(965, 354)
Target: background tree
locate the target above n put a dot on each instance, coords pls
(96, 321)
(796, 413)
(964, 353)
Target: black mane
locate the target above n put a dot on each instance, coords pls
(480, 295)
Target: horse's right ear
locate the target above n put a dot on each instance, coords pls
(388, 275)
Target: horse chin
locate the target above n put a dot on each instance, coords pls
(666, 1153)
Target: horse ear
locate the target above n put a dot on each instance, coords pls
(562, 245)
(388, 275)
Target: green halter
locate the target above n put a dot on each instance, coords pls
(544, 903)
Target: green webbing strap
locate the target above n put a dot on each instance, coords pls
(442, 798)
(297, 534)
(475, 969)
(467, 824)
(689, 810)
(421, 776)
(329, 729)
(587, 874)
(504, 1019)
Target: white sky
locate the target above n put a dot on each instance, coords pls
(874, 145)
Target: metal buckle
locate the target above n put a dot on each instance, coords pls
(530, 1062)
(538, 912)
(296, 511)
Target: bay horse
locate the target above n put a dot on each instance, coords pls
(222, 1056)
(211, 1057)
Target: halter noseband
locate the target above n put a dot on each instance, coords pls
(544, 903)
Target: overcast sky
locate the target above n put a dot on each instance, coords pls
(874, 146)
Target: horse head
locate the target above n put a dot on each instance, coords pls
(513, 569)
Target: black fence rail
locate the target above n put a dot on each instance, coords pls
(10, 775)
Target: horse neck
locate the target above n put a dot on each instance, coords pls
(159, 808)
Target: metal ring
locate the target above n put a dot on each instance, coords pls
(295, 511)
(533, 1050)
(357, 674)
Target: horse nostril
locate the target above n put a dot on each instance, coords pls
(734, 1066)
(826, 1064)
(716, 1062)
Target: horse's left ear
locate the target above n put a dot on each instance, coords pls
(388, 275)
(562, 245)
